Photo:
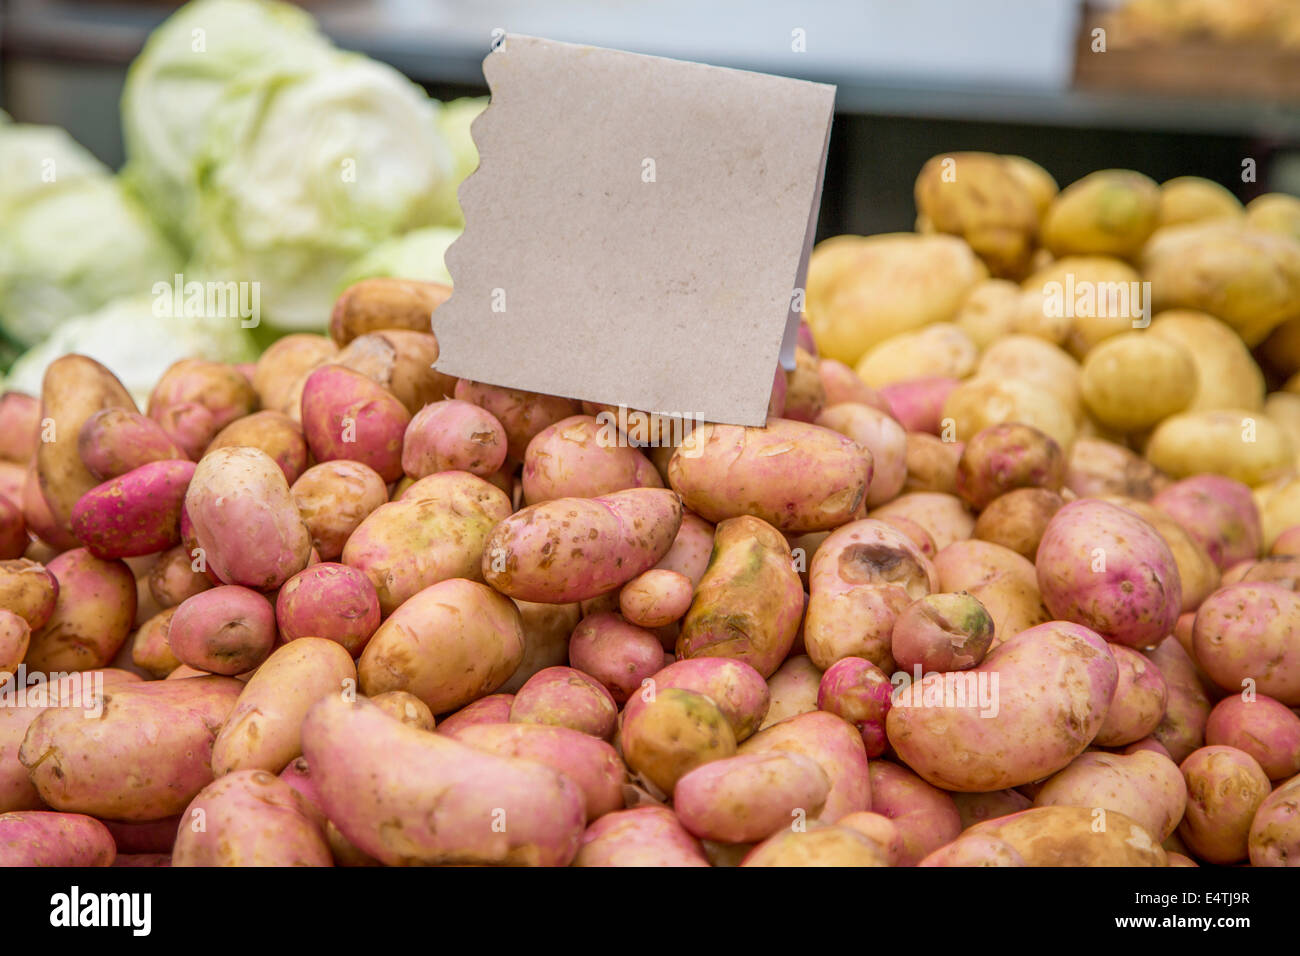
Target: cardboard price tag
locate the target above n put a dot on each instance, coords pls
(637, 231)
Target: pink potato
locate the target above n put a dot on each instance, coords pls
(880, 830)
(20, 422)
(1146, 743)
(522, 414)
(220, 390)
(144, 758)
(592, 764)
(450, 644)
(860, 580)
(1288, 542)
(406, 796)
(655, 598)
(1146, 787)
(346, 415)
(918, 535)
(1025, 712)
(1002, 458)
(925, 816)
(13, 477)
(13, 530)
(249, 818)
(842, 384)
(1261, 727)
(583, 457)
(917, 403)
(975, 850)
(245, 520)
(42, 838)
(795, 476)
(1138, 703)
(1251, 632)
(944, 517)
(298, 775)
(328, 600)
(116, 440)
(188, 425)
(858, 691)
(274, 433)
(15, 635)
(333, 498)
(149, 836)
(884, 439)
(1225, 788)
(1096, 467)
(1274, 837)
(136, 513)
(747, 798)
(401, 361)
(1182, 729)
(691, 548)
(173, 577)
(792, 690)
(618, 654)
(227, 630)
(644, 836)
(565, 697)
(1219, 513)
(573, 549)
(452, 435)
(1069, 836)
(942, 632)
(1102, 566)
(492, 709)
(735, 688)
(834, 744)
(151, 648)
(93, 614)
(817, 845)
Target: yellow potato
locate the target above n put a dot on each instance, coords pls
(1090, 297)
(989, 311)
(1239, 443)
(941, 350)
(1281, 350)
(1284, 409)
(1038, 181)
(1279, 506)
(1275, 212)
(1226, 374)
(863, 289)
(980, 402)
(1134, 381)
(1193, 199)
(1109, 212)
(1030, 359)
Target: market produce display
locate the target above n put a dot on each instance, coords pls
(1009, 578)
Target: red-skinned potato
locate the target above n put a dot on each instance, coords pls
(28, 589)
(249, 818)
(452, 435)
(227, 630)
(858, 691)
(20, 422)
(817, 845)
(835, 745)
(333, 498)
(522, 414)
(655, 598)
(220, 390)
(134, 514)
(618, 654)
(1274, 838)
(1144, 786)
(1068, 836)
(15, 635)
(492, 709)
(42, 838)
(691, 548)
(944, 517)
(976, 850)
(406, 708)
(581, 457)
(93, 613)
(1182, 728)
(1251, 632)
(1138, 703)
(274, 433)
(735, 688)
(117, 440)
(882, 437)
(565, 697)
(401, 361)
(347, 416)
(672, 734)
(1225, 788)
(747, 798)
(925, 816)
(328, 600)
(1219, 513)
(643, 836)
(547, 628)
(942, 632)
(1260, 726)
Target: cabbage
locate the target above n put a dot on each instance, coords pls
(453, 123)
(37, 160)
(137, 340)
(183, 70)
(416, 255)
(302, 172)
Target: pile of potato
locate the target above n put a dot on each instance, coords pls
(993, 587)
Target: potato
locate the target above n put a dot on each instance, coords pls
(1096, 467)
(274, 433)
(263, 732)
(492, 709)
(1070, 836)
(195, 399)
(931, 464)
(944, 517)
(1144, 786)
(1218, 513)
(1182, 729)
(151, 649)
(328, 600)
(1001, 580)
(522, 414)
(227, 630)
(644, 836)
(1017, 519)
(1242, 275)
(440, 529)
(28, 589)
(942, 632)
(1102, 566)
(283, 368)
(453, 436)
(881, 437)
(1196, 571)
(795, 476)
(20, 422)
(173, 577)
(1225, 788)
(926, 818)
(746, 799)
(347, 416)
(978, 807)
(841, 384)
(249, 818)
(1038, 181)
(1187, 199)
(42, 838)
(13, 530)
(1261, 727)
(134, 514)
(749, 602)
(655, 598)
(1004, 457)
(941, 350)
(858, 692)
(618, 654)
(146, 757)
(385, 303)
(672, 733)
(1080, 300)
(564, 697)
(861, 578)
(1109, 212)
(817, 845)
(245, 520)
(988, 312)
(1251, 632)
(1133, 381)
(580, 457)
(116, 440)
(1054, 681)
(74, 389)
(546, 629)
(93, 614)
(735, 688)
(880, 830)
(862, 290)
(1275, 212)
(978, 403)
(450, 644)
(1226, 375)
(691, 548)
(835, 745)
(333, 498)
(402, 362)
(1274, 837)
(1138, 703)
(975, 850)
(1028, 358)
(979, 197)
(602, 544)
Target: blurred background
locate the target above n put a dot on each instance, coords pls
(1182, 88)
